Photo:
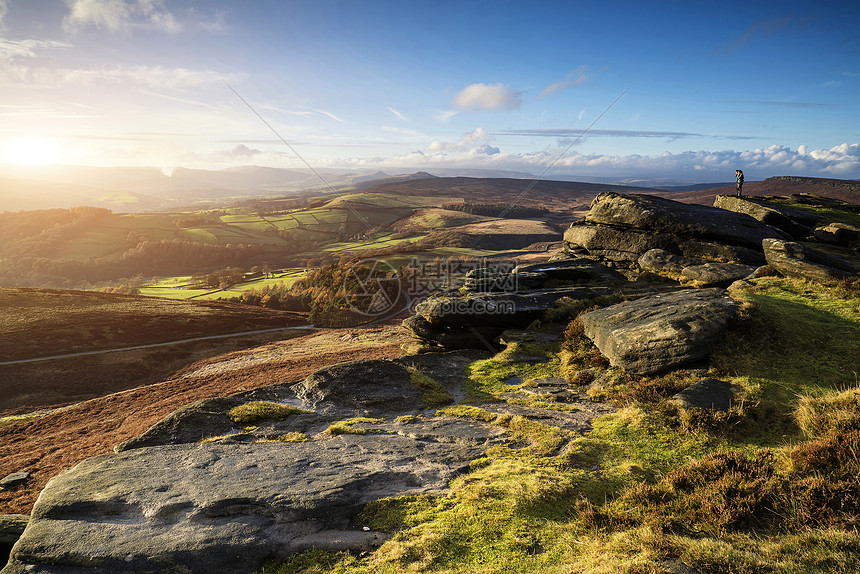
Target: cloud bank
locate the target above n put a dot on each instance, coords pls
(487, 97)
(842, 161)
(120, 15)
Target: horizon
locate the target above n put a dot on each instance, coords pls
(616, 91)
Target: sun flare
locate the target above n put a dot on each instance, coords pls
(31, 150)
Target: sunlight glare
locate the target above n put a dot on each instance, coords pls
(31, 151)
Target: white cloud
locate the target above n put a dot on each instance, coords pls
(241, 150)
(4, 7)
(445, 115)
(153, 77)
(120, 15)
(487, 97)
(574, 78)
(841, 161)
(27, 48)
(398, 114)
(330, 115)
(475, 143)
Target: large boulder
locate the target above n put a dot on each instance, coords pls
(839, 234)
(798, 260)
(659, 215)
(361, 388)
(621, 228)
(794, 222)
(191, 423)
(572, 271)
(215, 508)
(659, 332)
(503, 310)
(700, 272)
(624, 246)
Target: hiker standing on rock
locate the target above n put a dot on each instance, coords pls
(740, 177)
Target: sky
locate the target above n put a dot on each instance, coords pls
(688, 90)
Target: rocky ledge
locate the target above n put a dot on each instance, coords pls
(205, 490)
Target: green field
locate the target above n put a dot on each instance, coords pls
(176, 287)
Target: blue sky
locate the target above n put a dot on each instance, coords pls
(682, 90)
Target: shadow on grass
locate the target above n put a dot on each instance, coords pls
(786, 345)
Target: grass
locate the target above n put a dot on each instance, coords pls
(348, 426)
(432, 393)
(257, 411)
(771, 487)
(12, 419)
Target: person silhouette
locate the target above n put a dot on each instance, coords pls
(740, 178)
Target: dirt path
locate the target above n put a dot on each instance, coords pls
(47, 445)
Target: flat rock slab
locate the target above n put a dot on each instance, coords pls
(214, 508)
(713, 274)
(627, 245)
(711, 394)
(839, 234)
(368, 388)
(10, 481)
(504, 310)
(659, 215)
(659, 332)
(11, 527)
(573, 270)
(797, 260)
(795, 222)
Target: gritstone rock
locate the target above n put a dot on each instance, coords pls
(796, 223)
(794, 259)
(621, 228)
(656, 333)
(361, 388)
(574, 271)
(506, 310)
(213, 508)
(839, 234)
(12, 480)
(711, 394)
(690, 269)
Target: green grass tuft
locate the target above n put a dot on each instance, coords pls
(432, 393)
(257, 411)
(348, 426)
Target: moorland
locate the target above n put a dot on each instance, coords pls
(769, 486)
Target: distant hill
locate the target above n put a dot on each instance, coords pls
(842, 189)
(549, 194)
(136, 189)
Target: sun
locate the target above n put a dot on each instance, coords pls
(31, 150)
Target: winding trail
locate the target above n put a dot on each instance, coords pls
(151, 345)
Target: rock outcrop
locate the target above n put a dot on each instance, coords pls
(621, 228)
(659, 332)
(224, 508)
(796, 223)
(795, 259)
(169, 502)
(839, 234)
(698, 272)
(475, 320)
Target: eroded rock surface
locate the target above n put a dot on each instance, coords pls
(475, 320)
(659, 332)
(170, 503)
(621, 228)
(711, 394)
(795, 259)
(794, 222)
(225, 508)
